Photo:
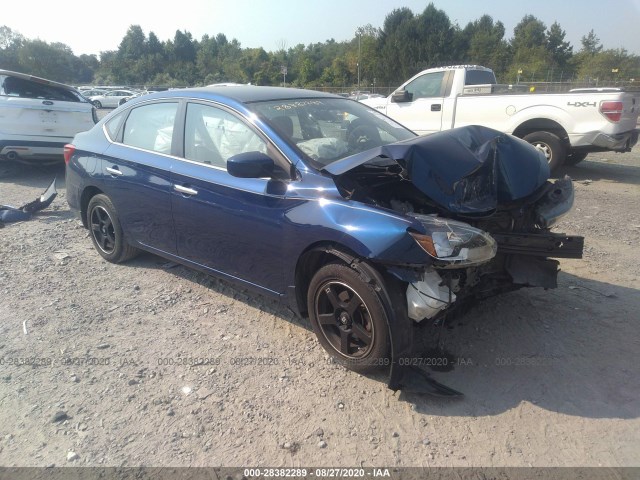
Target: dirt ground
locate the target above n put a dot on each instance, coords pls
(154, 364)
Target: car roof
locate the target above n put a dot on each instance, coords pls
(247, 93)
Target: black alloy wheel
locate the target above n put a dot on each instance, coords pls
(106, 231)
(349, 318)
(102, 230)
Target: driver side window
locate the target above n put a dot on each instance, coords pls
(212, 135)
(426, 86)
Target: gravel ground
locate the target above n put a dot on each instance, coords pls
(153, 364)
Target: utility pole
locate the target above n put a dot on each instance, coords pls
(359, 35)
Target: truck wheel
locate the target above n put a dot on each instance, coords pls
(575, 158)
(549, 144)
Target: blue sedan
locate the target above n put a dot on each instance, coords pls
(324, 203)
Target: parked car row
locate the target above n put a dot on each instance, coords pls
(110, 97)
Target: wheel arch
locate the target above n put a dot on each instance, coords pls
(542, 125)
(322, 253)
(87, 194)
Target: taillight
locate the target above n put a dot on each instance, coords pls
(612, 110)
(68, 151)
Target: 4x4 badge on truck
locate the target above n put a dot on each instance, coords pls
(581, 104)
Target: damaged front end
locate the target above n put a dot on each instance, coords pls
(507, 250)
(482, 208)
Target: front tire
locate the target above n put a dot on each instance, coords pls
(106, 232)
(97, 104)
(349, 318)
(551, 145)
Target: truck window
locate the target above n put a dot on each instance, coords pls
(428, 85)
(479, 77)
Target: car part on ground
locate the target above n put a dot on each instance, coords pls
(10, 214)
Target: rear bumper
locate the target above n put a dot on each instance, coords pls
(33, 149)
(622, 142)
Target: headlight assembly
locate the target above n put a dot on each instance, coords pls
(454, 244)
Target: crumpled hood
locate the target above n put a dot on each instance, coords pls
(465, 170)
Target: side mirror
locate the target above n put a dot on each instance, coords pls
(401, 96)
(251, 165)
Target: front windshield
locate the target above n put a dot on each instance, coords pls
(324, 130)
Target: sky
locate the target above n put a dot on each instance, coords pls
(93, 27)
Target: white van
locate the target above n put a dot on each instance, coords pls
(38, 117)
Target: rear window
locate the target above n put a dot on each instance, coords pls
(479, 77)
(20, 87)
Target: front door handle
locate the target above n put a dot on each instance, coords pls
(114, 171)
(185, 190)
(436, 107)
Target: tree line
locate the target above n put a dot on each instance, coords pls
(376, 56)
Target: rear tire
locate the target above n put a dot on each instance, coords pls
(551, 145)
(106, 232)
(349, 318)
(97, 104)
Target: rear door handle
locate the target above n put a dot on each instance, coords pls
(47, 102)
(436, 107)
(114, 171)
(185, 190)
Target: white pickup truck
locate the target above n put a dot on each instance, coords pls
(565, 126)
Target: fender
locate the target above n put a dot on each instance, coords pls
(401, 376)
(540, 113)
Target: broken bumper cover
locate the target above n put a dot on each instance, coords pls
(622, 142)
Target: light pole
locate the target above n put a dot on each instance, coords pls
(359, 33)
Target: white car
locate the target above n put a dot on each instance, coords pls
(110, 99)
(38, 117)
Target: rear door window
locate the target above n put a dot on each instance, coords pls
(150, 127)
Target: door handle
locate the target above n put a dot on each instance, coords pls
(436, 107)
(185, 190)
(114, 171)
(47, 102)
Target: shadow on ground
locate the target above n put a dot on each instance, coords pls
(573, 350)
(602, 170)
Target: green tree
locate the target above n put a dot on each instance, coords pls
(561, 52)
(10, 44)
(591, 43)
(609, 66)
(398, 42)
(484, 44)
(435, 38)
(53, 61)
(529, 47)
